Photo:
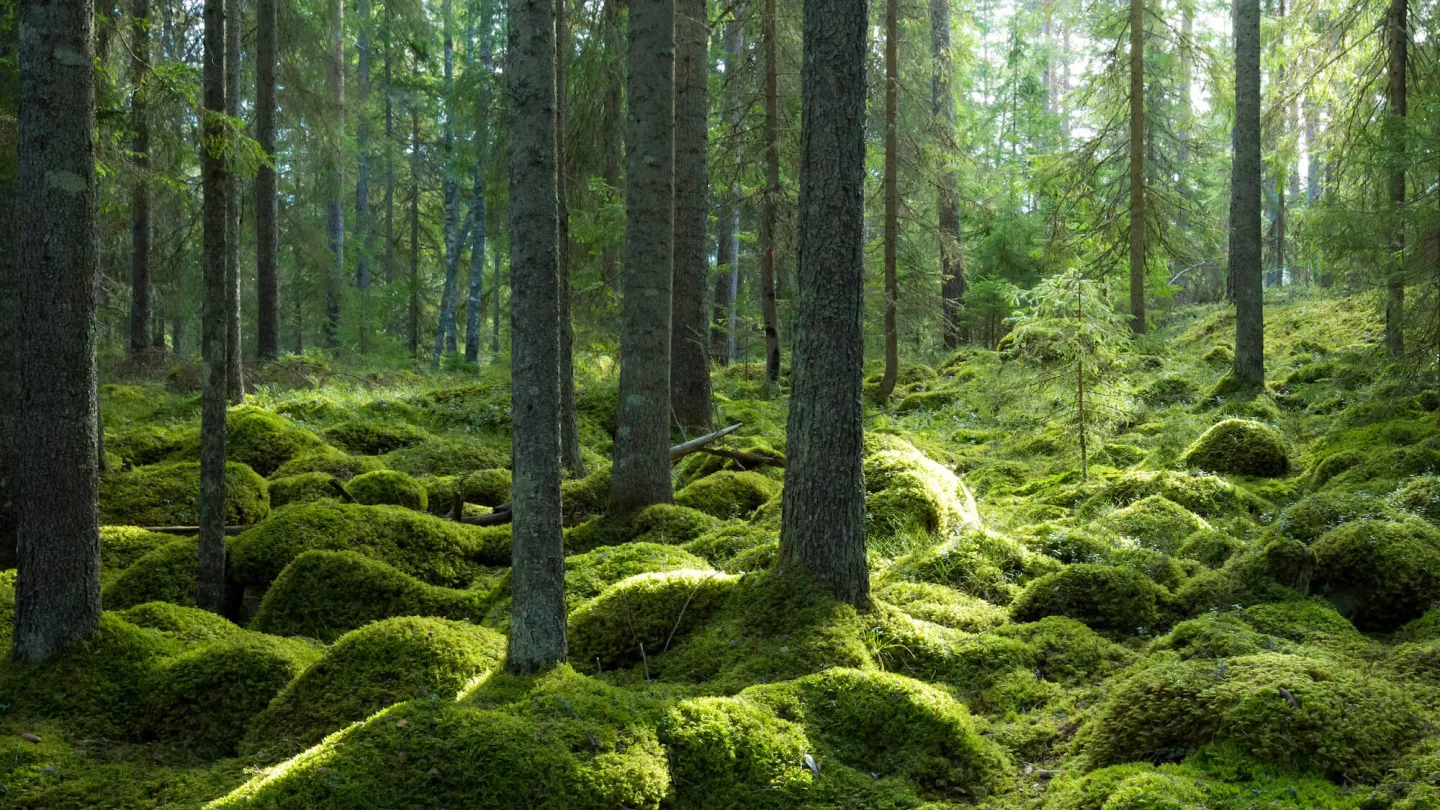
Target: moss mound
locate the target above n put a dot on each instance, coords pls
(1315, 514)
(1420, 495)
(1380, 573)
(1273, 570)
(1209, 547)
(1067, 651)
(328, 459)
(184, 624)
(983, 564)
(1208, 496)
(906, 491)
(721, 544)
(436, 551)
(439, 456)
(325, 594)
(1156, 523)
(369, 669)
(375, 438)
(148, 444)
(166, 574)
(587, 575)
(643, 615)
(661, 523)
(1312, 623)
(168, 495)
(388, 487)
(731, 752)
(728, 494)
(1101, 596)
(1179, 787)
(1301, 715)
(121, 546)
(586, 497)
(258, 439)
(487, 487)
(201, 702)
(1216, 636)
(302, 488)
(943, 606)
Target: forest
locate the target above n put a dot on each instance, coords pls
(685, 405)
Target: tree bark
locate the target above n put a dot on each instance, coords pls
(475, 308)
(725, 320)
(387, 81)
(140, 192)
(267, 221)
(414, 284)
(769, 211)
(952, 250)
(234, 372)
(537, 628)
(689, 360)
(454, 239)
(641, 472)
(570, 457)
(363, 227)
(823, 511)
(495, 291)
(1137, 167)
(1245, 180)
(892, 196)
(210, 573)
(1397, 40)
(335, 219)
(614, 144)
(10, 310)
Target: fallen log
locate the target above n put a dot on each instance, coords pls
(499, 517)
(746, 458)
(684, 449)
(342, 491)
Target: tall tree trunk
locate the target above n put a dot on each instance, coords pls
(414, 283)
(1245, 180)
(725, 320)
(210, 573)
(823, 514)
(641, 472)
(537, 627)
(570, 457)
(614, 146)
(140, 194)
(335, 220)
(474, 305)
(769, 211)
(495, 293)
(1137, 167)
(445, 326)
(892, 196)
(1282, 166)
(1397, 40)
(363, 227)
(267, 221)
(234, 372)
(1182, 157)
(10, 310)
(689, 360)
(952, 251)
(57, 593)
(387, 80)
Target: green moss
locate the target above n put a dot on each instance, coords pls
(265, 440)
(724, 542)
(388, 487)
(1335, 722)
(184, 624)
(1425, 628)
(1101, 596)
(756, 558)
(1420, 495)
(329, 460)
(587, 575)
(168, 494)
(932, 400)
(661, 523)
(1209, 547)
(166, 574)
(1218, 356)
(303, 488)
(1273, 570)
(313, 409)
(1067, 651)
(201, 702)
(1315, 514)
(324, 594)
(375, 438)
(148, 444)
(1169, 390)
(1208, 496)
(943, 606)
(439, 456)
(1333, 464)
(436, 551)
(1156, 522)
(1381, 574)
(1216, 636)
(121, 546)
(1239, 447)
(1312, 623)
(728, 494)
(487, 487)
(1182, 787)
(586, 497)
(369, 669)
(906, 490)
(730, 752)
(983, 564)
(643, 615)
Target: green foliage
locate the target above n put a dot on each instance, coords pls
(168, 494)
(1315, 514)
(588, 575)
(148, 444)
(1420, 495)
(1239, 447)
(906, 490)
(329, 460)
(731, 752)
(1208, 496)
(324, 594)
(184, 624)
(260, 440)
(487, 487)
(1178, 787)
(1066, 651)
(166, 574)
(722, 543)
(388, 487)
(369, 669)
(1209, 547)
(943, 606)
(121, 546)
(1156, 523)
(439, 456)
(1101, 596)
(1380, 573)
(728, 494)
(643, 615)
(982, 564)
(661, 523)
(302, 488)
(373, 438)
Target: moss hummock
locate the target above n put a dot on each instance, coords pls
(943, 606)
(1315, 514)
(121, 546)
(1240, 447)
(166, 574)
(643, 615)
(372, 438)
(1380, 573)
(1421, 496)
(440, 456)
(1156, 522)
(388, 487)
(982, 564)
(661, 523)
(338, 463)
(303, 488)
(728, 494)
(184, 624)
(487, 487)
(369, 669)
(1103, 597)
(168, 495)
(906, 491)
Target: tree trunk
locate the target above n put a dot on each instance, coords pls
(1137, 167)
(641, 472)
(335, 220)
(952, 251)
(474, 309)
(363, 227)
(234, 372)
(445, 326)
(689, 360)
(57, 593)
(1182, 156)
(725, 320)
(892, 196)
(210, 573)
(769, 211)
(389, 90)
(495, 292)
(570, 457)
(1245, 181)
(823, 514)
(414, 286)
(537, 626)
(1397, 40)
(10, 310)
(614, 144)
(267, 221)
(140, 195)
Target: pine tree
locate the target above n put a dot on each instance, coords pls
(1245, 227)
(140, 195)
(267, 220)
(689, 359)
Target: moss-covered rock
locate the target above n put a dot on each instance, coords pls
(487, 487)
(333, 461)
(369, 669)
(258, 439)
(643, 615)
(661, 523)
(143, 445)
(1208, 496)
(1274, 569)
(1170, 389)
(1421, 496)
(1381, 574)
(436, 551)
(201, 702)
(302, 488)
(728, 494)
(1218, 356)
(439, 456)
(983, 564)
(1209, 547)
(388, 487)
(187, 625)
(589, 574)
(1156, 523)
(906, 490)
(1101, 596)
(168, 495)
(932, 400)
(1182, 787)
(325, 594)
(720, 544)
(373, 438)
(943, 606)
(166, 574)
(1317, 513)
(121, 546)
(1216, 636)
(1302, 715)
(1240, 447)
(1312, 623)
(1067, 651)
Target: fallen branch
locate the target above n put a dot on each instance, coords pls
(342, 491)
(746, 459)
(230, 531)
(684, 449)
(499, 517)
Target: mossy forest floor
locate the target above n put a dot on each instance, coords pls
(1236, 609)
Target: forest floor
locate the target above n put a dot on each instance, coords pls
(1236, 608)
